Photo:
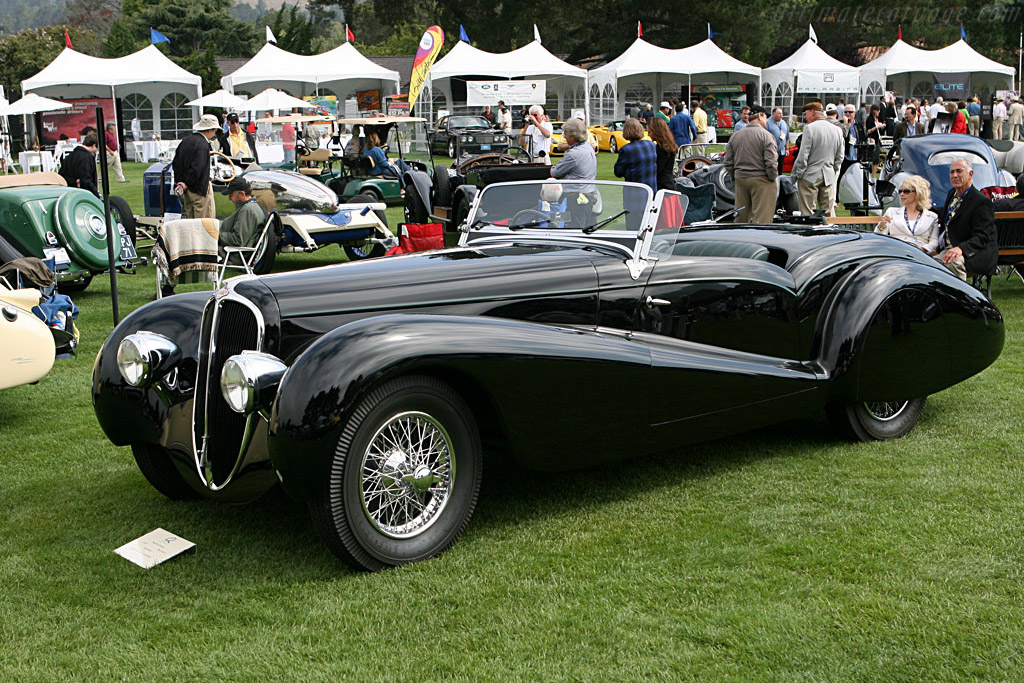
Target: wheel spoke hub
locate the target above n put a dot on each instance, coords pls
(885, 410)
(408, 473)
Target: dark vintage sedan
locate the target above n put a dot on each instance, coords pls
(576, 323)
(460, 134)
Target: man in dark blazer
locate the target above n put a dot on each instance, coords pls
(970, 225)
(909, 126)
(79, 167)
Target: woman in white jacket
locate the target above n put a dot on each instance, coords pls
(913, 221)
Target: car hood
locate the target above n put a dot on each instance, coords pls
(450, 276)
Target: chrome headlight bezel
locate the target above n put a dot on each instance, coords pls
(249, 380)
(144, 357)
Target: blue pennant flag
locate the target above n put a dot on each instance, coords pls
(963, 35)
(462, 34)
(157, 37)
(711, 34)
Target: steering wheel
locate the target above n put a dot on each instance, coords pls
(527, 216)
(218, 165)
(518, 154)
(301, 150)
(892, 160)
(496, 159)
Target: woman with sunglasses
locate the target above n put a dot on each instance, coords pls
(913, 221)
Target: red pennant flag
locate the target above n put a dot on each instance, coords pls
(67, 39)
(899, 32)
(348, 34)
(639, 30)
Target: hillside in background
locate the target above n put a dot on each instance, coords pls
(16, 15)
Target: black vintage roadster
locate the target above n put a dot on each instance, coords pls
(575, 323)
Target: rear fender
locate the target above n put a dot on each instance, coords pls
(551, 393)
(902, 330)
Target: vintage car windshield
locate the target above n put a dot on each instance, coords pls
(293, 192)
(468, 122)
(564, 205)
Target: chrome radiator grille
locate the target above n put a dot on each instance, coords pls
(230, 325)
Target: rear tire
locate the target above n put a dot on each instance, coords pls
(155, 464)
(875, 420)
(613, 146)
(442, 186)
(415, 209)
(404, 478)
(122, 212)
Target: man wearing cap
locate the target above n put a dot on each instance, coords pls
(241, 228)
(855, 135)
(751, 158)
(700, 121)
(998, 118)
(818, 163)
(241, 143)
(832, 116)
(665, 112)
(113, 156)
(1016, 116)
(192, 169)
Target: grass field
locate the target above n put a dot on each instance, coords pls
(778, 554)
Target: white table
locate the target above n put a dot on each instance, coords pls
(152, 149)
(36, 161)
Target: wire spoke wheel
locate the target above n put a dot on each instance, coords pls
(885, 410)
(407, 475)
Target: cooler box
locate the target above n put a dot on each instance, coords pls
(157, 182)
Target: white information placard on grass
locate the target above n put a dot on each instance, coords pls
(155, 547)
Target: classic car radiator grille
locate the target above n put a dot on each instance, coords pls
(229, 327)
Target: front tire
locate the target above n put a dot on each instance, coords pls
(405, 476)
(876, 420)
(613, 145)
(155, 464)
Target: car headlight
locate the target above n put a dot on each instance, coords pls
(249, 380)
(144, 357)
(499, 138)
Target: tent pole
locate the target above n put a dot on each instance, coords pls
(1020, 52)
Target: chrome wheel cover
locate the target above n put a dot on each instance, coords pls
(407, 475)
(884, 411)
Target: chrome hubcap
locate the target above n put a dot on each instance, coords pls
(885, 410)
(408, 473)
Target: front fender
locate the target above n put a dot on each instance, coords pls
(130, 414)
(423, 184)
(559, 397)
(903, 330)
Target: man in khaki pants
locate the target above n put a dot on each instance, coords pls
(192, 169)
(818, 163)
(751, 158)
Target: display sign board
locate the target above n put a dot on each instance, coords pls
(827, 81)
(153, 548)
(952, 86)
(72, 122)
(326, 105)
(512, 93)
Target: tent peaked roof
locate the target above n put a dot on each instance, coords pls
(968, 60)
(272, 64)
(706, 57)
(148, 65)
(810, 57)
(532, 59)
(642, 57)
(903, 58)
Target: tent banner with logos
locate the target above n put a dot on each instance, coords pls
(512, 93)
(952, 86)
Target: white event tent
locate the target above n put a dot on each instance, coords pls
(810, 73)
(648, 73)
(910, 71)
(566, 84)
(152, 88)
(342, 72)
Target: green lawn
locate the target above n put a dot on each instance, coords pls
(779, 554)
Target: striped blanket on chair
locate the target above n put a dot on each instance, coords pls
(187, 249)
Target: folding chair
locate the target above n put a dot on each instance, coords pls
(250, 257)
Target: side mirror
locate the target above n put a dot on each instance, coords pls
(883, 188)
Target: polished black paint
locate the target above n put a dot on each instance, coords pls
(559, 353)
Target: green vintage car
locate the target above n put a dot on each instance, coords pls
(40, 216)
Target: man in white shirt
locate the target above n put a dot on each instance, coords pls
(538, 134)
(998, 117)
(504, 118)
(933, 111)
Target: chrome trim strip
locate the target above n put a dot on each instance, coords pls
(199, 451)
